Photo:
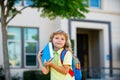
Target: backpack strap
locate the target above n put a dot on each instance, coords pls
(63, 55)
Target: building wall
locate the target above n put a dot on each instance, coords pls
(109, 12)
(31, 18)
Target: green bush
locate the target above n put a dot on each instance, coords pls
(2, 75)
(16, 77)
(35, 75)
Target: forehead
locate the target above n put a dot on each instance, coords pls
(59, 35)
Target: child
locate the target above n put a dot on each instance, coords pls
(59, 71)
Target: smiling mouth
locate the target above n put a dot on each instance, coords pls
(58, 43)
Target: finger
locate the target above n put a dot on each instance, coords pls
(39, 53)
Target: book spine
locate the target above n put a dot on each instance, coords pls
(51, 51)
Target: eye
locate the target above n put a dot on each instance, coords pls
(62, 39)
(56, 38)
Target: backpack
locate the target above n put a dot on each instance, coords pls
(77, 73)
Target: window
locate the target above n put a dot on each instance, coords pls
(14, 46)
(31, 46)
(22, 46)
(23, 3)
(27, 2)
(95, 3)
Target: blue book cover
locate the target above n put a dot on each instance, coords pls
(47, 53)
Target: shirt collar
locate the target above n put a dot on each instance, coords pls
(60, 50)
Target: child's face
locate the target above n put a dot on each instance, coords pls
(59, 41)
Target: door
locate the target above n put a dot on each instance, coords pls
(82, 52)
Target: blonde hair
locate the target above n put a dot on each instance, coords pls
(61, 32)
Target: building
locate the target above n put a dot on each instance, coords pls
(96, 39)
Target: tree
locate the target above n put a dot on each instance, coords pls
(50, 8)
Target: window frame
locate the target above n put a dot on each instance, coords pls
(23, 53)
(11, 40)
(20, 54)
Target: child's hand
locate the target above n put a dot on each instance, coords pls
(39, 55)
(48, 63)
